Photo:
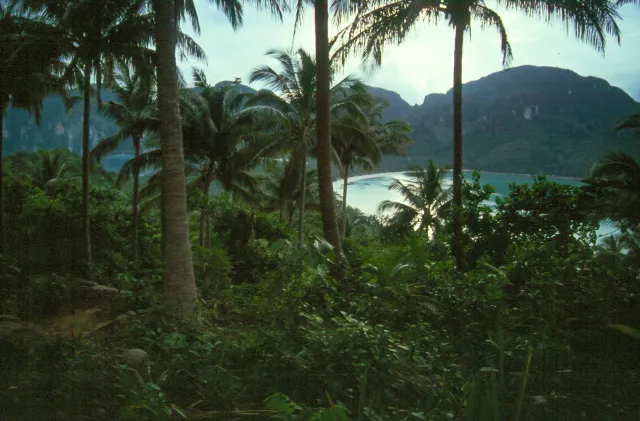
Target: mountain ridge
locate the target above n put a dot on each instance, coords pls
(526, 119)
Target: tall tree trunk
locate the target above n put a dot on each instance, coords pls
(98, 84)
(208, 232)
(86, 132)
(1, 183)
(303, 195)
(136, 198)
(290, 212)
(179, 280)
(201, 230)
(456, 238)
(323, 126)
(345, 178)
(203, 215)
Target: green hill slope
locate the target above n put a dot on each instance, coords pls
(526, 119)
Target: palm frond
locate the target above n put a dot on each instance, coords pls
(591, 21)
(146, 161)
(107, 145)
(630, 122)
(188, 47)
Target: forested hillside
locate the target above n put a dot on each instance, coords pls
(526, 119)
(59, 128)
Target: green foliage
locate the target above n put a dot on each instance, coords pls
(213, 270)
(287, 410)
(45, 220)
(426, 201)
(548, 212)
(405, 336)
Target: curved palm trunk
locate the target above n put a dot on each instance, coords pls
(86, 115)
(456, 238)
(179, 281)
(345, 178)
(323, 126)
(136, 198)
(303, 194)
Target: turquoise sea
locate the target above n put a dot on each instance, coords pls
(366, 192)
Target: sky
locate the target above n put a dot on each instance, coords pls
(423, 64)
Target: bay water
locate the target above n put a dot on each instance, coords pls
(366, 192)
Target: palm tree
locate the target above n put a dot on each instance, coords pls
(323, 113)
(237, 140)
(179, 281)
(178, 277)
(135, 114)
(292, 103)
(381, 22)
(46, 168)
(425, 200)
(29, 70)
(362, 142)
(52, 168)
(97, 37)
(323, 125)
(622, 250)
(222, 140)
(615, 181)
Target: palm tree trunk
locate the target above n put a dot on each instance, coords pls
(323, 126)
(179, 280)
(290, 212)
(345, 178)
(201, 230)
(98, 84)
(86, 160)
(303, 194)
(136, 198)
(1, 183)
(208, 232)
(456, 238)
(203, 217)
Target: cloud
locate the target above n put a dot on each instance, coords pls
(423, 64)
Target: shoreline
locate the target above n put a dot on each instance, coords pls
(390, 173)
(562, 177)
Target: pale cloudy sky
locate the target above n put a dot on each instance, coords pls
(424, 63)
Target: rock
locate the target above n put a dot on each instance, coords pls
(136, 357)
(539, 400)
(103, 289)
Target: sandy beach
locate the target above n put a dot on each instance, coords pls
(393, 174)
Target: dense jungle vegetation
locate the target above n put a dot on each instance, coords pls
(218, 277)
